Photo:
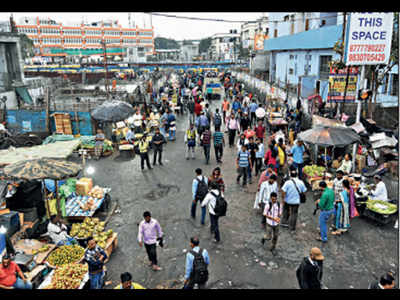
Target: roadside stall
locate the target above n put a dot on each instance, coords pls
(276, 120)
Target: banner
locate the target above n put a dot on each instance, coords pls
(337, 85)
(259, 41)
(368, 39)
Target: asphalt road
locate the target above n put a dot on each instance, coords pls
(239, 261)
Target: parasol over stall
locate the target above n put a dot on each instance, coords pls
(112, 111)
(329, 137)
(43, 168)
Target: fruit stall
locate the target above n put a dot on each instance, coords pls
(277, 121)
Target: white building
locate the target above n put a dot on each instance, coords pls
(225, 46)
(189, 50)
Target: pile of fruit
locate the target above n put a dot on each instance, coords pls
(68, 276)
(43, 249)
(91, 227)
(381, 207)
(66, 255)
(314, 171)
(96, 192)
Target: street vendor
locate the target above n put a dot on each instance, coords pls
(346, 164)
(8, 275)
(137, 121)
(58, 232)
(130, 136)
(380, 191)
(95, 257)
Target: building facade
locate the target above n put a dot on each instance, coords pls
(52, 39)
(225, 46)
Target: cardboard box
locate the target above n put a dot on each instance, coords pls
(84, 186)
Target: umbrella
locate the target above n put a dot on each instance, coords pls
(112, 111)
(329, 136)
(43, 168)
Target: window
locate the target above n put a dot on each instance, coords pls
(324, 66)
(395, 85)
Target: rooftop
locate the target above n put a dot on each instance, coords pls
(321, 38)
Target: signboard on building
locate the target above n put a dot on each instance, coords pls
(368, 39)
(259, 41)
(337, 85)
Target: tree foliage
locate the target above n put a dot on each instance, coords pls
(165, 43)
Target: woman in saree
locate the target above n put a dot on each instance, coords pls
(342, 221)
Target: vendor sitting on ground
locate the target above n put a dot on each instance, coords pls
(380, 192)
(127, 284)
(346, 164)
(58, 232)
(8, 275)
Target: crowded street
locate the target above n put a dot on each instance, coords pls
(215, 163)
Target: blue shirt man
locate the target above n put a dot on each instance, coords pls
(291, 194)
(298, 152)
(194, 244)
(253, 107)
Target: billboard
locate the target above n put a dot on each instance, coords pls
(368, 39)
(259, 41)
(337, 85)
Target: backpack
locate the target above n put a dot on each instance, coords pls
(217, 120)
(220, 205)
(270, 206)
(202, 189)
(200, 271)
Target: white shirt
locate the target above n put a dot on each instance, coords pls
(57, 233)
(210, 200)
(345, 166)
(380, 192)
(274, 212)
(265, 191)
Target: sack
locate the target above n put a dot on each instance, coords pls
(200, 271)
(202, 189)
(220, 205)
(302, 195)
(217, 120)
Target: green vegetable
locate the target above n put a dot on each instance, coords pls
(376, 206)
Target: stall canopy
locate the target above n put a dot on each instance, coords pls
(24, 94)
(325, 122)
(329, 136)
(112, 111)
(44, 168)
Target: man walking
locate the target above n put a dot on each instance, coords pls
(233, 126)
(144, 152)
(199, 192)
(219, 144)
(327, 209)
(148, 233)
(298, 152)
(272, 213)
(253, 108)
(210, 200)
(259, 156)
(206, 143)
(242, 163)
(196, 267)
(190, 140)
(217, 120)
(308, 272)
(201, 123)
(158, 141)
(225, 108)
(264, 196)
(291, 194)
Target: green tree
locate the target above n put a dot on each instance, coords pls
(164, 43)
(204, 45)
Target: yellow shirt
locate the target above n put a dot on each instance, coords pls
(143, 146)
(135, 286)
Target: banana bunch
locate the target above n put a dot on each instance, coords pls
(43, 249)
(66, 255)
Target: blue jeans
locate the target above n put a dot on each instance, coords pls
(21, 285)
(323, 223)
(299, 168)
(214, 226)
(96, 281)
(249, 172)
(172, 135)
(203, 211)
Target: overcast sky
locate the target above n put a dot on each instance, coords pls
(177, 29)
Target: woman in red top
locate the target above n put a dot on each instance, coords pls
(270, 156)
(216, 177)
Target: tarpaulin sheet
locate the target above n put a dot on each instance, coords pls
(60, 149)
(24, 94)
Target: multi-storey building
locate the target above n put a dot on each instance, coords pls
(224, 46)
(52, 39)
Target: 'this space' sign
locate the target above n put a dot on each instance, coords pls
(368, 38)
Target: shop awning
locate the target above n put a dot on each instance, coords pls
(24, 94)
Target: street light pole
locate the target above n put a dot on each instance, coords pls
(103, 43)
